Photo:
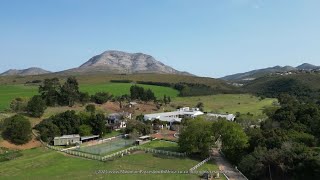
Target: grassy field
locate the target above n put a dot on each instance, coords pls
(41, 163)
(118, 89)
(230, 103)
(9, 92)
(162, 145)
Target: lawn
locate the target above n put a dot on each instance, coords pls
(228, 103)
(41, 163)
(9, 92)
(162, 145)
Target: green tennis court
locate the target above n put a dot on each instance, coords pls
(107, 147)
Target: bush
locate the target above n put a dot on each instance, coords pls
(36, 106)
(17, 129)
(19, 105)
(101, 97)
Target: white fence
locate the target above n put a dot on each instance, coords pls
(200, 164)
(117, 154)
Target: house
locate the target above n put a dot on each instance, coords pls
(118, 120)
(175, 116)
(66, 140)
(229, 117)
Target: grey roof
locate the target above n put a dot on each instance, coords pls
(89, 137)
(68, 136)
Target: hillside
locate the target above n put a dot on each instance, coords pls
(267, 71)
(264, 84)
(25, 72)
(118, 62)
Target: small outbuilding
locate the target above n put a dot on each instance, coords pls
(143, 140)
(66, 140)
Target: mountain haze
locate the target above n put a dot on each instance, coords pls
(25, 72)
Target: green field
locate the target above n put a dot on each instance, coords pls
(228, 103)
(41, 163)
(162, 145)
(118, 89)
(9, 92)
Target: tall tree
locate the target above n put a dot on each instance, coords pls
(36, 106)
(70, 92)
(50, 91)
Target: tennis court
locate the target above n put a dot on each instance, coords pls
(107, 147)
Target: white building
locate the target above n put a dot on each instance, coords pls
(229, 117)
(175, 116)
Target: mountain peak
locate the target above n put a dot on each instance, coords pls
(307, 66)
(114, 61)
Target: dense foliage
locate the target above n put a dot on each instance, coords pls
(17, 129)
(36, 106)
(71, 123)
(284, 146)
(139, 93)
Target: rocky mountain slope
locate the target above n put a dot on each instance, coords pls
(123, 62)
(25, 72)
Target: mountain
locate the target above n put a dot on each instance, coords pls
(307, 66)
(25, 72)
(266, 71)
(118, 62)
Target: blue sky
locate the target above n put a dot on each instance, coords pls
(205, 37)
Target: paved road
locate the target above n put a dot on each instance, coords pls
(226, 167)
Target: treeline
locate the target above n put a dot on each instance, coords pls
(274, 88)
(186, 89)
(139, 93)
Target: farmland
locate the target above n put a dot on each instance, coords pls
(228, 103)
(9, 92)
(41, 163)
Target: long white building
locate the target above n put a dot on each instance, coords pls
(229, 117)
(175, 116)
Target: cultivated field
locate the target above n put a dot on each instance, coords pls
(41, 163)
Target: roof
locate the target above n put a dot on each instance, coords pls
(68, 136)
(89, 137)
(227, 116)
(166, 115)
(144, 137)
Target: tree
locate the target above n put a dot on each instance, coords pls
(234, 140)
(85, 130)
(19, 105)
(200, 105)
(196, 137)
(101, 97)
(69, 92)
(98, 124)
(91, 108)
(68, 122)
(84, 97)
(50, 91)
(17, 129)
(47, 130)
(36, 106)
